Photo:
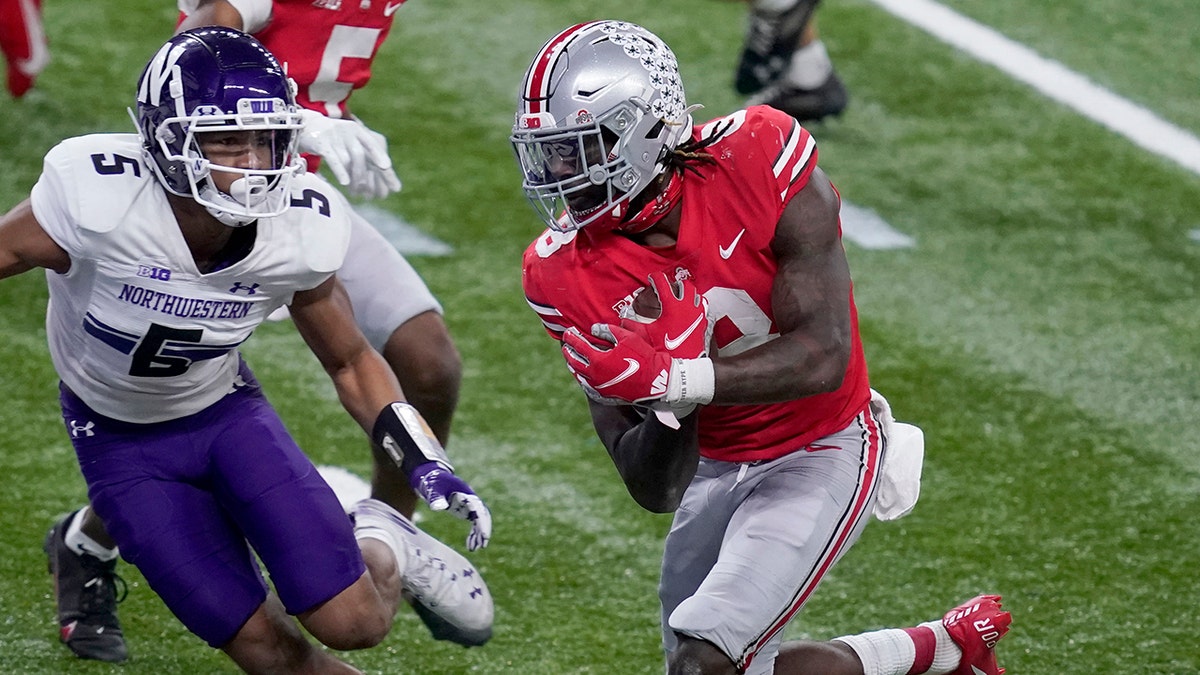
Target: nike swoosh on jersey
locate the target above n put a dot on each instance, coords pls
(390, 8)
(726, 252)
(978, 671)
(39, 55)
(629, 370)
(673, 343)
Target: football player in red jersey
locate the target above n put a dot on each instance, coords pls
(23, 43)
(327, 47)
(765, 439)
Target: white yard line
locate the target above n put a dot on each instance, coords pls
(867, 229)
(1053, 79)
(406, 237)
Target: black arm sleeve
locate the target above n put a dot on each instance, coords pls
(655, 461)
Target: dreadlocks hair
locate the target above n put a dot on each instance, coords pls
(688, 154)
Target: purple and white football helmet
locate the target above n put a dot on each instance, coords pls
(600, 108)
(219, 79)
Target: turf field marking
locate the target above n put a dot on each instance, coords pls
(406, 237)
(867, 229)
(1053, 79)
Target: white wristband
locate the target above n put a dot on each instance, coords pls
(690, 381)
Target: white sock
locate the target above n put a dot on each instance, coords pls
(893, 651)
(810, 66)
(364, 528)
(77, 541)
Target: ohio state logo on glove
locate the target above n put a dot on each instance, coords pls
(671, 315)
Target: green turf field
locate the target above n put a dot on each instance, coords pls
(1043, 333)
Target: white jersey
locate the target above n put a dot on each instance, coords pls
(134, 328)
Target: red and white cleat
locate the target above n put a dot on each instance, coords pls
(976, 626)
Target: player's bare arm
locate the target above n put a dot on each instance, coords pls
(212, 13)
(811, 302)
(655, 461)
(24, 245)
(364, 382)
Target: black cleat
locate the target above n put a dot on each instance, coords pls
(771, 38)
(806, 105)
(85, 591)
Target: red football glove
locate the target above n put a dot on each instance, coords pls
(680, 327)
(616, 365)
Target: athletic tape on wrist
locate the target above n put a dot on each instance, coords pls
(691, 381)
(407, 439)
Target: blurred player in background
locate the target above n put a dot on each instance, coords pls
(667, 240)
(164, 250)
(327, 47)
(23, 43)
(785, 65)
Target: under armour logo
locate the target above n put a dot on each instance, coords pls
(85, 429)
(238, 287)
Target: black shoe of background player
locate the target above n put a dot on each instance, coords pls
(771, 38)
(806, 105)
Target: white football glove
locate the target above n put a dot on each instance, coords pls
(357, 156)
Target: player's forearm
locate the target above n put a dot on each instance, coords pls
(655, 461)
(365, 386)
(212, 13)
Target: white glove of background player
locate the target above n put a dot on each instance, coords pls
(357, 156)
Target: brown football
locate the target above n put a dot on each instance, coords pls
(646, 304)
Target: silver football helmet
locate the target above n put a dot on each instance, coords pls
(600, 108)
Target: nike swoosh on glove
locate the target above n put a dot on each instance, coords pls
(357, 156)
(617, 364)
(681, 327)
(444, 491)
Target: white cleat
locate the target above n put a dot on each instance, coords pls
(445, 589)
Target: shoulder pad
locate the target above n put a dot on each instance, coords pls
(100, 174)
(322, 218)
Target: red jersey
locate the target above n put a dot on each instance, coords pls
(730, 210)
(326, 45)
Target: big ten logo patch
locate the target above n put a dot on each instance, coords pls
(151, 272)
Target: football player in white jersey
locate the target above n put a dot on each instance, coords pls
(394, 308)
(163, 252)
